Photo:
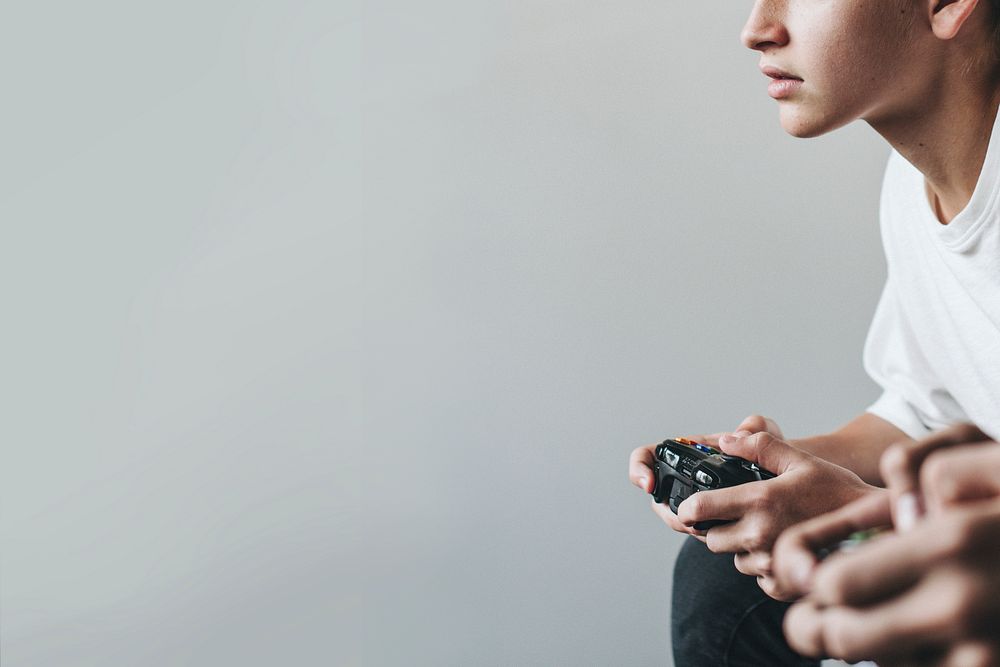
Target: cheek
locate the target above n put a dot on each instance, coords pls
(840, 49)
(858, 49)
(839, 65)
(842, 77)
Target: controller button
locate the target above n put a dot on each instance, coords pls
(703, 477)
(672, 459)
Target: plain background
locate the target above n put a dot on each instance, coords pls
(329, 327)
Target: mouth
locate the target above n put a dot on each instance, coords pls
(783, 84)
(779, 74)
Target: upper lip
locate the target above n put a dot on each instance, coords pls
(777, 73)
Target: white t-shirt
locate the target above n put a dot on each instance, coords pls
(934, 344)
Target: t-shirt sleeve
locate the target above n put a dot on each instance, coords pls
(913, 399)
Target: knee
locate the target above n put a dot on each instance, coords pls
(700, 576)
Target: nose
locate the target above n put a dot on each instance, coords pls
(765, 28)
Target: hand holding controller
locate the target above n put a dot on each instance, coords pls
(683, 467)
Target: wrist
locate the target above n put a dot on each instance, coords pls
(822, 446)
(851, 453)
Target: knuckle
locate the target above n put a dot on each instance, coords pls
(762, 442)
(694, 506)
(761, 495)
(756, 539)
(763, 439)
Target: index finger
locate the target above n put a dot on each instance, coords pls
(719, 504)
(707, 439)
(796, 553)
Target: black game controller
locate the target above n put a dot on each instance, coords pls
(684, 467)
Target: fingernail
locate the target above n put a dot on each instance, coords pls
(643, 482)
(907, 511)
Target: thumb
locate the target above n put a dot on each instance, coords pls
(766, 450)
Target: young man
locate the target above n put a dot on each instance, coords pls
(924, 75)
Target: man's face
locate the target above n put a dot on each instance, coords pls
(853, 58)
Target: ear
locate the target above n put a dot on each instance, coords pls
(948, 16)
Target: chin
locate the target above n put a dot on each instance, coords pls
(800, 123)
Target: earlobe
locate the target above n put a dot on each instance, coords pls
(948, 16)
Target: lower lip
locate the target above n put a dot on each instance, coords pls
(782, 88)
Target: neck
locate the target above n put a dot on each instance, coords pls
(946, 136)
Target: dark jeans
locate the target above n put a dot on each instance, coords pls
(721, 617)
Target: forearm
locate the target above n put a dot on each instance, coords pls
(857, 446)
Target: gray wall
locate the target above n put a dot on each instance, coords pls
(329, 328)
